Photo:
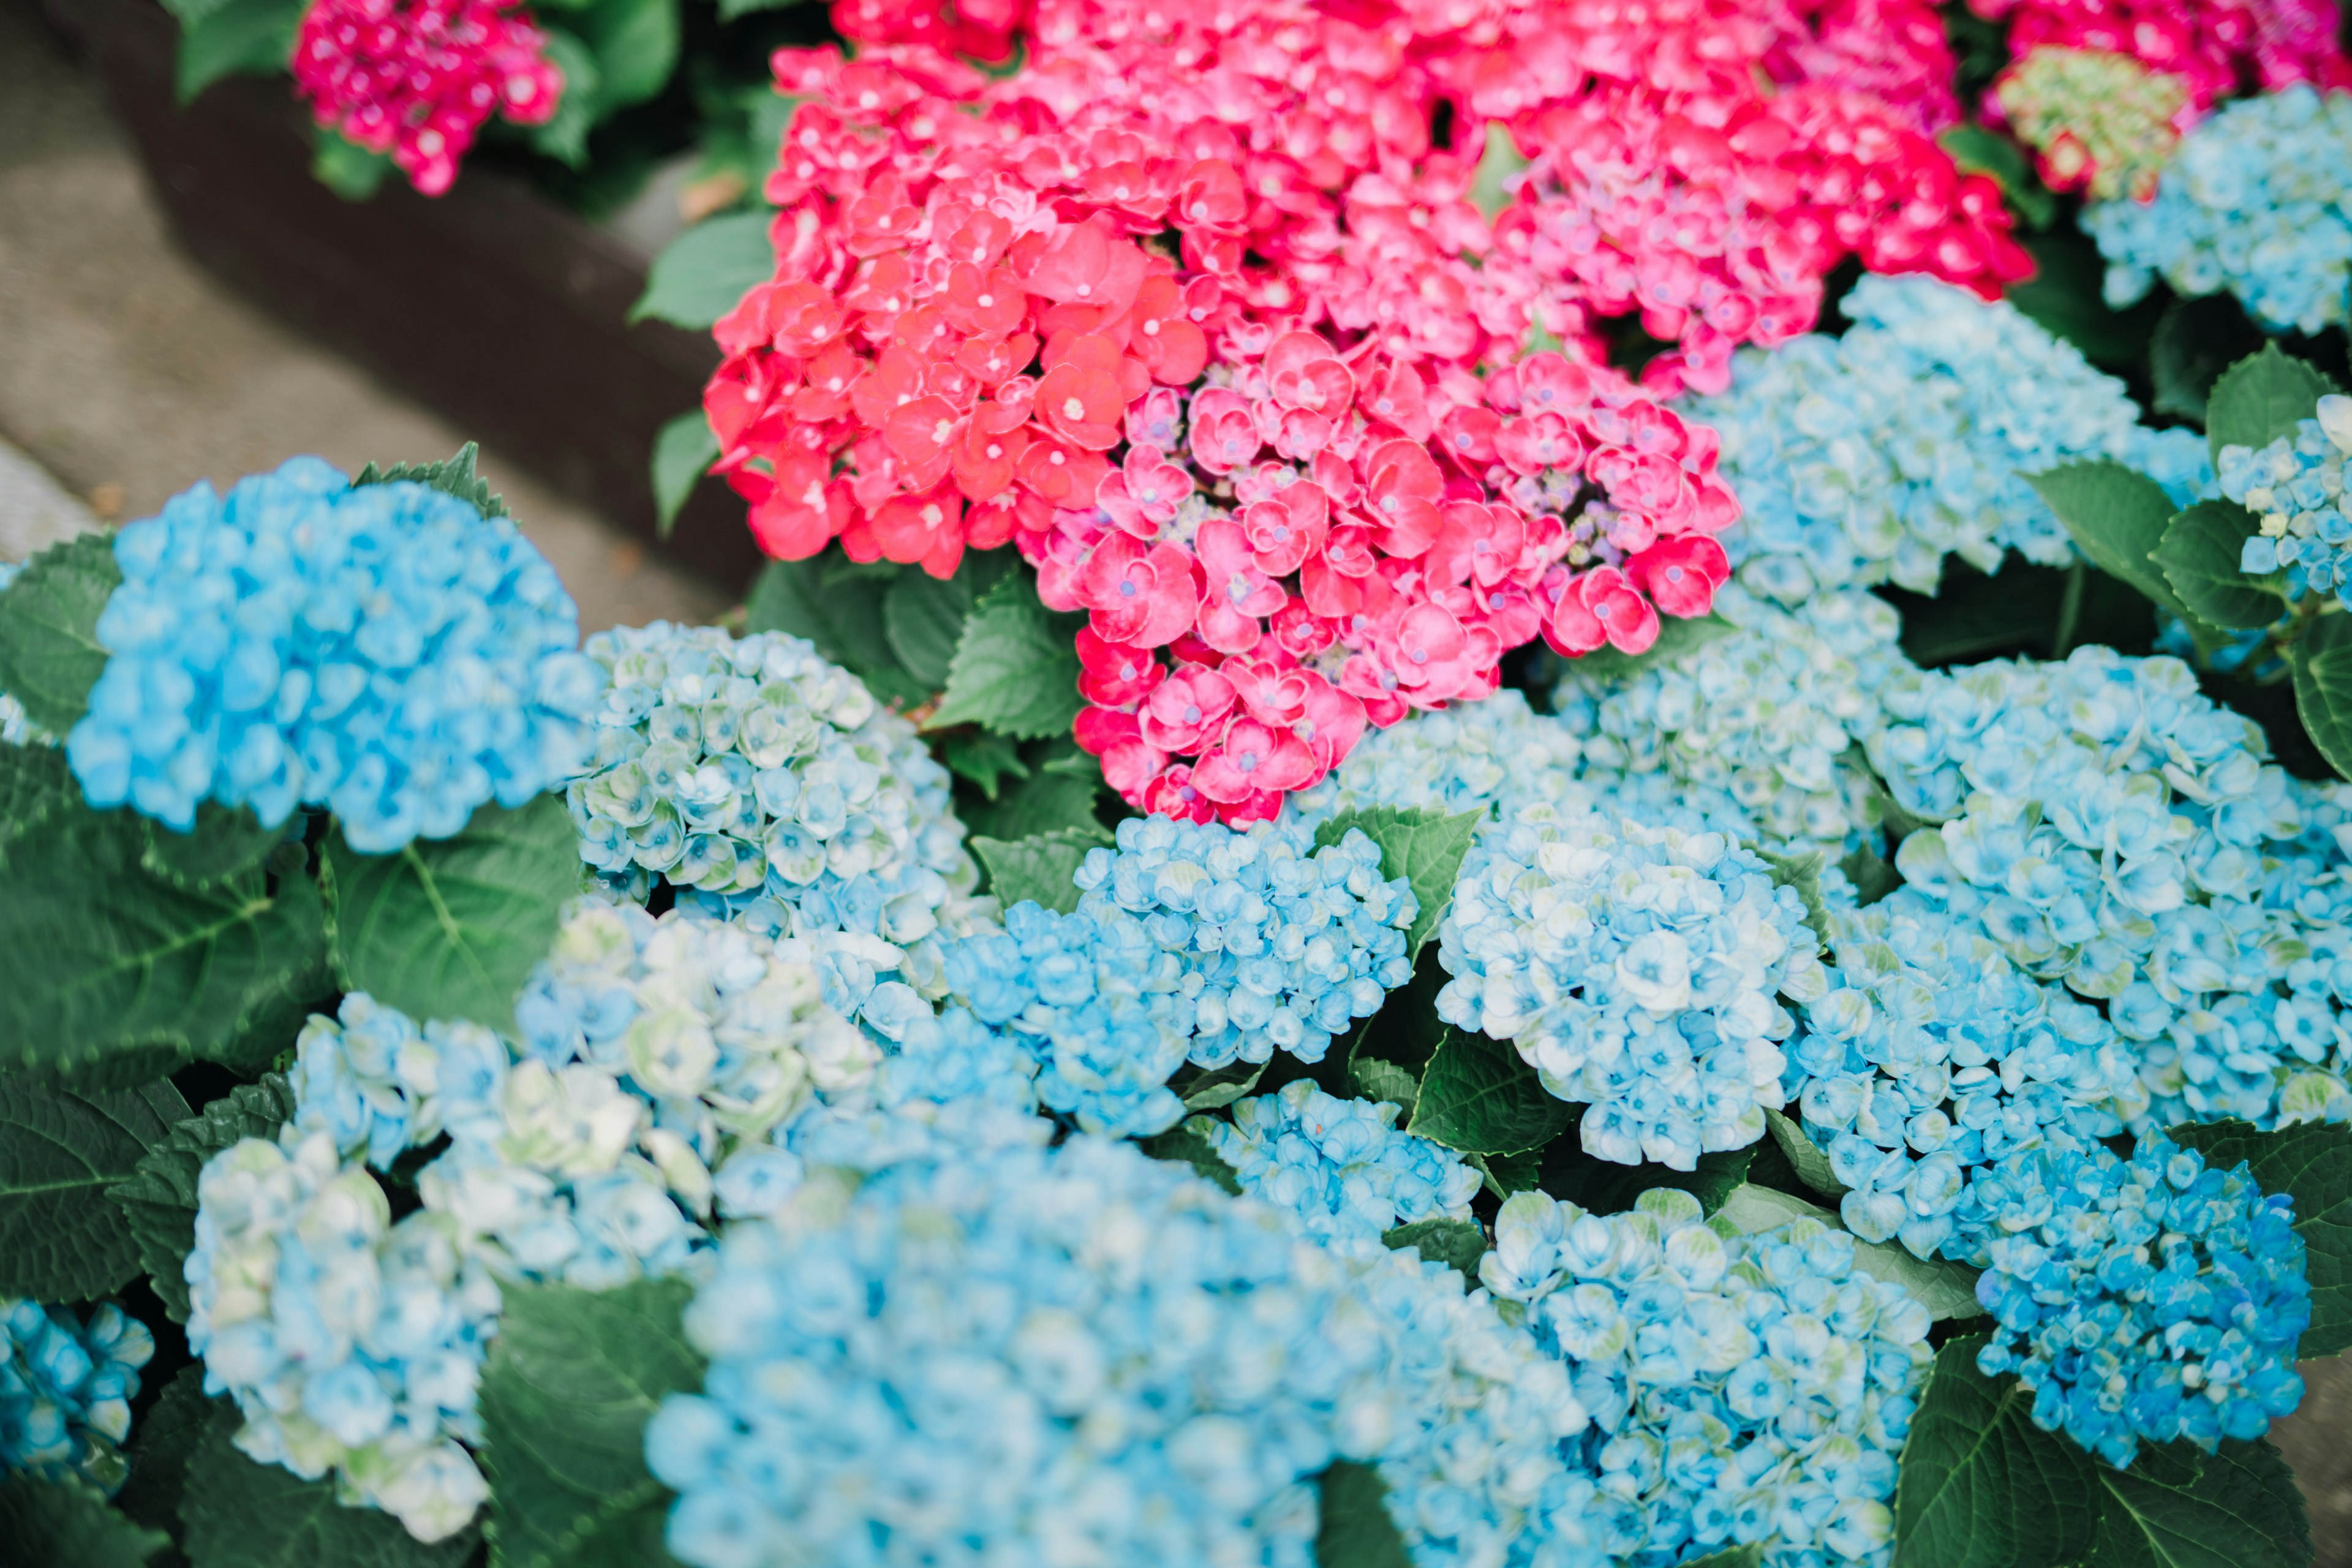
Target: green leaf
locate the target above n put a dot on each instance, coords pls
(1406, 1030)
(564, 136)
(2117, 517)
(1873, 878)
(1214, 1089)
(1604, 1186)
(683, 453)
(1039, 867)
(67, 1524)
(346, 168)
(1502, 161)
(2066, 295)
(1749, 1556)
(1424, 847)
(1187, 1144)
(240, 1514)
(924, 617)
(635, 42)
(2178, 1507)
(1355, 1530)
(107, 969)
(159, 1447)
(239, 36)
(50, 653)
(1979, 1486)
(840, 611)
(2195, 341)
(984, 757)
(1457, 1243)
(2200, 558)
(1812, 1167)
(188, 11)
(1802, 872)
(1045, 803)
(158, 1197)
(451, 928)
(452, 476)
(700, 275)
(1975, 149)
(2261, 398)
(1508, 1173)
(1677, 635)
(2313, 1161)
(731, 9)
(1479, 1097)
(1015, 669)
(61, 1239)
(1384, 1081)
(35, 785)
(1946, 1290)
(572, 1378)
(226, 842)
(2322, 660)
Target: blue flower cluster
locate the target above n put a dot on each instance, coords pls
(1452, 760)
(1636, 968)
(1932, 1056)
(2257, 200)
(650, 1063)
(2105, 824)
(1869, 457)
(1742, 1388)
(1190, 942)
(1282, 943)
(2295, 486)
(2144, 1300)
(352, 1344)
(385, 651)
(769, 787)
(1339, 1167)
(65, 1388)
(1758, 724)
(1014, 1353)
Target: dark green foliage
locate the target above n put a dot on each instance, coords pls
(158, 1197)
(1479, 1097)
(1039, 868)
(67, 1524)
(1185, 1145)
(50, 653)
(1424, 847)
(240, 1514)
(453, 475)
(1356, 1531)
(61, 1238)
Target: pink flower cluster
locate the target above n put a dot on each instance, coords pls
(2217, 47)
(416, 78)
(1266, 329)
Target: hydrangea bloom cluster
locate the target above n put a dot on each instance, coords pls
(1742, 1388)
(768, 786)
(1282, 945)
(2213, 46)
(649, 1062)
(1339, 1167)
(383, 650)
(2295, 486)
(65, 1387)
(1133, 1368)
(2146, 1299)
(2107, 826)
(416, 78)
(1457, 760)
(2253, 203)
(1767, 715)
(1636, 968)
(353, 1345)
(1869, 457)
(2097, 121)
(1932, 1056)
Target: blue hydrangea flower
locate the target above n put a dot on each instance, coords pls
(770, 788)
(2253, 202)
(1763, 721)
(1340, 1168)
(352, 1344)
(2296, 487)
(1870, 457)
(1931, 1056)
(2144, 1300)
(1452, 760)
(1742, 1388)
(2107, 827)
(65, 1388)
(385, 651)
(1637, 968)
(1282, 945)
(1027, 1354)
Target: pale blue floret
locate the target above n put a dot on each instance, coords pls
(1340, 1168)
(2253, 202)
(385, 651)
(2143, 1300)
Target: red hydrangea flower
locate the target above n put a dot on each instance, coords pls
(416, 78)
